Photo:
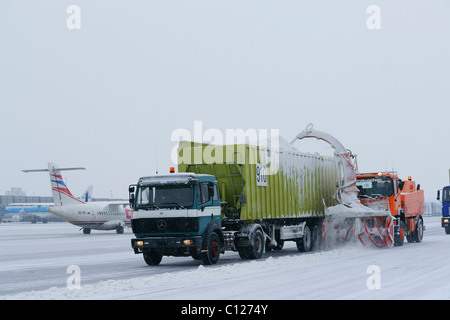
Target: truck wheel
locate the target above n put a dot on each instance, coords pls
(243, 252)
(400, 237)
(196, 256)
(212, 254)
(255, 251)
(410, 237)
(447, 230)
(304, 244)
(418, 233)
(317, 240)
(86, 230)
(152, 257)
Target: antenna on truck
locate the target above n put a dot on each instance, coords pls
(156, 159)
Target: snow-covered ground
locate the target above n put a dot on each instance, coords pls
(34, 262)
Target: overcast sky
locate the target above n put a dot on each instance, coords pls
(108, 96)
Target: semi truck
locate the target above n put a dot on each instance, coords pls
(249, 199)
(402, 199)
(445, 220)
(232, 197)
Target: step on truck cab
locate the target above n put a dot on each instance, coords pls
(233, 199)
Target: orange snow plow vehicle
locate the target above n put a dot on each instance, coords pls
(375, 208)
(403, 199)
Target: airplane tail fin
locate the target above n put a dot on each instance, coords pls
(61, 193)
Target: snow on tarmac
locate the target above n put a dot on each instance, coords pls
(413, 271)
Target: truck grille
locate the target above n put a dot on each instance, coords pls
(165, 225)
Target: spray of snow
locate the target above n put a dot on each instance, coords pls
(354, 210)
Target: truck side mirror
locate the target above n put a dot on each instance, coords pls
(438, 195)
(211, 190)
(131, 200)
(131, 190)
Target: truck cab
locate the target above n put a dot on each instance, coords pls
(445, 221)
(379, 190)
(402, 198)
(178, 215)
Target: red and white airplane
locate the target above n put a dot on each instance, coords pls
(36, 211)
(87, 215)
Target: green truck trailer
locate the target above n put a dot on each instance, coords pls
(237, 197)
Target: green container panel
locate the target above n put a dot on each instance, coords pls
(296, 189)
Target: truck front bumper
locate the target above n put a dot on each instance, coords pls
(168, 245)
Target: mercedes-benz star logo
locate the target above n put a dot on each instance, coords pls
(161, 224)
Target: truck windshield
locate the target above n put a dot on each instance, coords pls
(446, 195)
(372, 187)
(157, 197)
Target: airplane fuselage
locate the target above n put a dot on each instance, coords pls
(99, 216)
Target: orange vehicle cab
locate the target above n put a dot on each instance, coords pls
(402, 198)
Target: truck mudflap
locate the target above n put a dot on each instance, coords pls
(168, 245)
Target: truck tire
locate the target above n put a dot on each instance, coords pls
(243, 253)
(212, 254)
(152, 257)
(317, 240)
(447, 230)
(256, 249)
(400, 237)
(418, 233)
(86, 230)
(304, 244)
(196, 256)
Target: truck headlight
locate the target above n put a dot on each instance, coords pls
(139, 243)
(188, 242)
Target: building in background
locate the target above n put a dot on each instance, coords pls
(16, 205)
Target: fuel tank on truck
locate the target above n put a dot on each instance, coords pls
(258, 183)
